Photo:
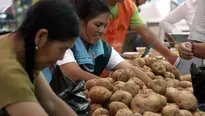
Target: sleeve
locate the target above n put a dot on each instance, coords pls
(68, 58)
(197, 31)
(114, 60)
(173, 17)
(135, 20)
(15, 85)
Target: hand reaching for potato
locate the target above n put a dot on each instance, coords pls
(185, 50)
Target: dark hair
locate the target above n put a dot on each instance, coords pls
(89, 9)
(57, 17)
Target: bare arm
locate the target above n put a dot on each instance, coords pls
(141, 75)
(73, 71)
(32, 109)
(147, 35)
(48, 99)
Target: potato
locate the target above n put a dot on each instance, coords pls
(131, 87)
(151, 75)
(199, 113)
(93, 107)
(159, 86)
(170, 110)
(171, 93)
(147, 91)
(148, 113)
(149, 61)
(158, 68)
(169, 75)
(137, 114)
(137, 81)
(115, 106)
(190, 89)
(146, 102)
(172, 82)
(135, 56)
(110, 80)
(122, 96)
(100, 111)
(118, 85)
(185, 113)
(124, 112)
(186, 100)
(171, 68)
(104, 83)
(185, 84)
(99, 94)
(159, 77)
(147, 69)
(122, 75)
(90, 83)
(138, 62)
(186, 78)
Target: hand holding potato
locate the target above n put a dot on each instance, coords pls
(185, 50)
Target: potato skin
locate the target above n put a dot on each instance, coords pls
(104, 83)
(115, 106)
(169, 75)
(139, 62)
(99, 94)
(100, 111)
(158, 68)
(170, 110)
(149, 61)
(159, 86)
(151, 75)
(124, 112)
(137, 81)
(118, 85)
(93, 107)
(185, 84)
(131, 87)
(147, 69)
(122, 75)
(122, 96)
(148, 113)
(171, 93)
(90, 83)
(185, 113)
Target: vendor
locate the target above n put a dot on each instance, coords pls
(90, 54)
(125, 14)
(42, 39)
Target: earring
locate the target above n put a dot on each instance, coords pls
(36, 47)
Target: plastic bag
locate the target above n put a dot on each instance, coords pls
(198, 81)
(71, 93)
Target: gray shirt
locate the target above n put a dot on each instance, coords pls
(197, 31)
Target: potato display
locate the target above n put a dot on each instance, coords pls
(123, 94)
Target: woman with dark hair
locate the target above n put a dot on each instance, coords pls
(49, 29)
(89, 56)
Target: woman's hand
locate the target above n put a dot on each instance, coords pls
(185, 50)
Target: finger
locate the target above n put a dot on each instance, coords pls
(186, 53)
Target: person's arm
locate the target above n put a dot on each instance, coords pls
(71, 69)
(49, 100)
(173, 17)
(147, 35)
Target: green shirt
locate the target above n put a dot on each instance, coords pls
(135, 20)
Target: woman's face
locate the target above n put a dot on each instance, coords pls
(94, 29)
(49, 52)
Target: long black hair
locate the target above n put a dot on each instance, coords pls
(89, 9)
(55, 16)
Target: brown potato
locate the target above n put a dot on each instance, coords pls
(100, 111)
(171, 93)
(159, 86)
(137, 114)
(116, 74)
(199, 113)
(190, 89)
(110, 80)
(186, 100)
(118, 85)
(185, 113)
(147, 69)
(170, 110)
(185, 84)
(131, 87)
(99, 94)
(122, 96)
(158, 68)
(186, 78)
(159, 77)
(169, 75)
(151, 75)
(149, 61)
(122, 75)
(93, 107)
(115, 106)
(171, 69)
(124, 112)
(138, 62)
(90, 83)
(146, 102)
(104, 83)
(137, 81)
(172, 82)
(148, 113)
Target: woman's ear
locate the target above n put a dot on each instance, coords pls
(41, 38)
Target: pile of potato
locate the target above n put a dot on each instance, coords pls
(123, 94)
